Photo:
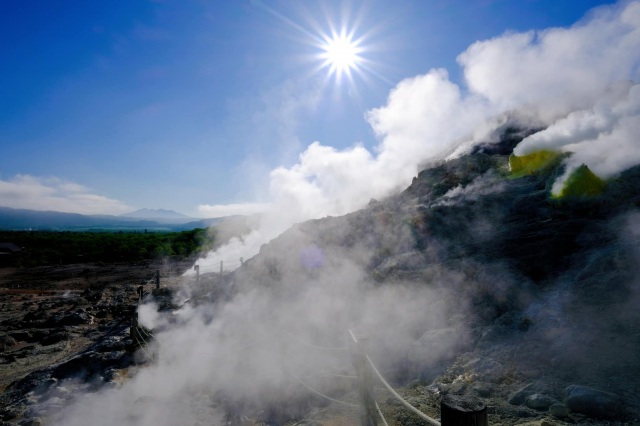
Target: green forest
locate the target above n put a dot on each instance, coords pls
(51, 247)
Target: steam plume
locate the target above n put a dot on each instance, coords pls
(566, 79)
(571, 79)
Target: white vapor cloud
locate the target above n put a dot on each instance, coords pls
(559, 69)
(208, 353)
(604, 137)
(543, 76)
(52, 193)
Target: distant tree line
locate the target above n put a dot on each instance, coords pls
(54, 247)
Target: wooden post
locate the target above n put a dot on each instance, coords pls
(157, 278)
(456, 410)
(221, 265)
(357, 349)
(197, 268)
(140, 291)
(134, 325)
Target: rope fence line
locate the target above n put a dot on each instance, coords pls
(400, 398)
(380, 414)
(369, 405)
(356, 349)
(143, 331)
(224, 266)
(142, 346)
(139, 334)
(325, 348)
(326, 373)
(317, 392)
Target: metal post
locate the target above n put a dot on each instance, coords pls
(463, 410)
(197, 268)
(157, 278)
(221, 265)
(241, 261)
(358, 353)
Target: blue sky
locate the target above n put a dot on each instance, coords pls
(110, 106)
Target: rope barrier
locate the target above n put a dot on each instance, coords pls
(227, 265)
(255, 342)
(401, 399)
(141, 346)
(320, 393)
(326, 348)
(138, 334)
(326, 373)
(206, 270)
(380, 413)
(149, 335)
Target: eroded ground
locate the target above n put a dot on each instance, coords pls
(66, 321)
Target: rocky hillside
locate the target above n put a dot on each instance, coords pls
(475, 281)
(533, 298)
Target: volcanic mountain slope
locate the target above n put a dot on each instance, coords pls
(474, 281)
(527, 300)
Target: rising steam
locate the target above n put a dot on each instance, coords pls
(575, 80)
(570, 80)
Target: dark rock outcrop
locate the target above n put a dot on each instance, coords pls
(592, 402)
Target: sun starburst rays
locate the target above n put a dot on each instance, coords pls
(341, 54)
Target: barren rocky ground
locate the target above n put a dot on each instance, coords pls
(65, 322)
(472, 283)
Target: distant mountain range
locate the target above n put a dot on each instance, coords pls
(152, 220)
(155, 214)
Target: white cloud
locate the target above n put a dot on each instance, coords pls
(222, 210)
(51, 193)
(558, 69)
(543, 76)
(604, 137)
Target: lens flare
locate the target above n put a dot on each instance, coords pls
(341, 54)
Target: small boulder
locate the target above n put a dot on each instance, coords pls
(592, 402)
(539, 401)
(518, 397)
(21, 335)
(482, 390)
(53, 338)
(559, 410)
(74, 318)
(7, 343)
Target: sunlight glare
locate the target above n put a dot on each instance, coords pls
(341, 54)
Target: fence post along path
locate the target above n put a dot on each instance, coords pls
(357, 349)
(463, 411)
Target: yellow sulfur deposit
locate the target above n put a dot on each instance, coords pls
(582, 183)
(531, 163)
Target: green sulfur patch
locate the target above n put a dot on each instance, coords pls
(582, 183)
(531, 163)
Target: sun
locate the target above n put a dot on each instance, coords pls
(341, 54)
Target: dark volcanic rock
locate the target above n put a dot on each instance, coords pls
(55, 337)
(38, 381)
(110, 344)
(519, 397)
(510, 137)
(7, 343)
(539, 401)
(74, 318)
(592, 402)
(90, 364)
(559, 410)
